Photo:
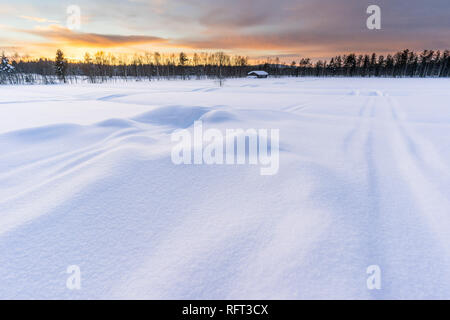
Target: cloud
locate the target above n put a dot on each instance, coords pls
(66, 36)
(37, 19)
(319, 43)
(318, 28)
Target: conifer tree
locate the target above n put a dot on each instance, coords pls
(60, 65)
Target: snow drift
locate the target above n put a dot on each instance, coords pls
(86, 179)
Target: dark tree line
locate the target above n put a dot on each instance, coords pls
(103, 67)
(405, 63)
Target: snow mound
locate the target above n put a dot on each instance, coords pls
(175, 116)
(117, 123)
(218, 116)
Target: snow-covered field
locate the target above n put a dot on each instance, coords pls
(86, 179)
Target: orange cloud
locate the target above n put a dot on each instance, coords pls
(66, 36)
(37, 19)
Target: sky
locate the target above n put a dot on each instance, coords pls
(289, 29)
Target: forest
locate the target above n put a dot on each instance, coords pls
(104, 67)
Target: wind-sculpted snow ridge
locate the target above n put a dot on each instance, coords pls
(86, 179)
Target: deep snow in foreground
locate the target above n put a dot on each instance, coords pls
(86, 179)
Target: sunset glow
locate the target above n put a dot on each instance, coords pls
(256, 28)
